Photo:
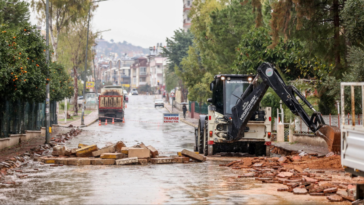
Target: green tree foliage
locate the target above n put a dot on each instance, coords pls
(72, 52)
(316, 23)
(63, 14)
(201, 90)
(177, 47)
(61, 83)
(23, 67)
(353, 20)
(288, 56)
(219, 31)
(14, 13)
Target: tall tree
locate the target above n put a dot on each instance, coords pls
(317, 23)
(72, 52)
(14, 13)
(177, 47)
(63, 13)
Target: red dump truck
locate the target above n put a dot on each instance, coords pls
(111, 103)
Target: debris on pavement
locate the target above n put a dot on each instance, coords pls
(302, 174)
(117, 153)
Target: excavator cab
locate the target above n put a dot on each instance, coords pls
(227, 90)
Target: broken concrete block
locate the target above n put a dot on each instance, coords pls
(67, 152)
(49, 161)
(73, 151)
(109, 149)
(86, 151)
(181, 159)
(161, 160)
(153, 151)
(119, 145)
(96, 161)
(84, 161)
(142, 145)
(143, 161)
(138, 152)
(72, 161)
(285, 174)
(62, 161)
(112, 156)
(193, 155)
(125, 161)
(82, 145)
(125, 150)
(108, 161)
(58, 150)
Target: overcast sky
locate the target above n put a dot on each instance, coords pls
(140, 22)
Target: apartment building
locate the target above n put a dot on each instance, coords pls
(187, 4)
(140, 74)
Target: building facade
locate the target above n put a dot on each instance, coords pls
(187, 4)
(140, 73)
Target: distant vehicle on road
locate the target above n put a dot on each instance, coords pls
(111, 103)
(158, 102)
(134, 91)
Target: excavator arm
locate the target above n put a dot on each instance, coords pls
(250, 100)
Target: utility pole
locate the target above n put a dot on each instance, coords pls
(48, 123)
(84, 80)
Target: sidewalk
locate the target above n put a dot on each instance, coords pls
(89, 119)
(189, 121)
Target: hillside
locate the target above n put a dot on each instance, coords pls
(105, 47)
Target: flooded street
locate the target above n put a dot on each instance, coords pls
(190, 183)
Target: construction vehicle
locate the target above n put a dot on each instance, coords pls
(236, 123)
(112, 103)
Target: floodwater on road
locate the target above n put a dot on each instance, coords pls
(190, 183)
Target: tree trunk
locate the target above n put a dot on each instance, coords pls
(54, 41)
(336, 33)
(75, 107)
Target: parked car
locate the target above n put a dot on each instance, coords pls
(134, 91)
(158, 102)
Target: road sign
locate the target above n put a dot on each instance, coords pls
(90, 85)
(171, 117)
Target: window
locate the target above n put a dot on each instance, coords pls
(142, 79)
(188, 3)
(142, 71)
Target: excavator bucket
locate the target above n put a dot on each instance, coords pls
(332, 136)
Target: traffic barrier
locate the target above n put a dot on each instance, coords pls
(99, 122)
(113, 121)
(123, 120)
(106, 122)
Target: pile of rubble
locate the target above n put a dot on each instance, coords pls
(117, 153)
(62, 138)
(297, 174)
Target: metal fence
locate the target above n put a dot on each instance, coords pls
(203, 109)
(16, 117)
(332, 120)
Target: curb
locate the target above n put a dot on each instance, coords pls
(182, 120)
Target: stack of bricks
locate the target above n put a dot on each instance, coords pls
(118, 154)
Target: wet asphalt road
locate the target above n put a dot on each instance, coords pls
(191, 183)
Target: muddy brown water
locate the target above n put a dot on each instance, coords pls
(192, 183)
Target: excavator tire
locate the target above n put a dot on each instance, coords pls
(332, 136)
(200, 138)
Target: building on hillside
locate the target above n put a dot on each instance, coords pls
(186, 11)
(140, 74)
